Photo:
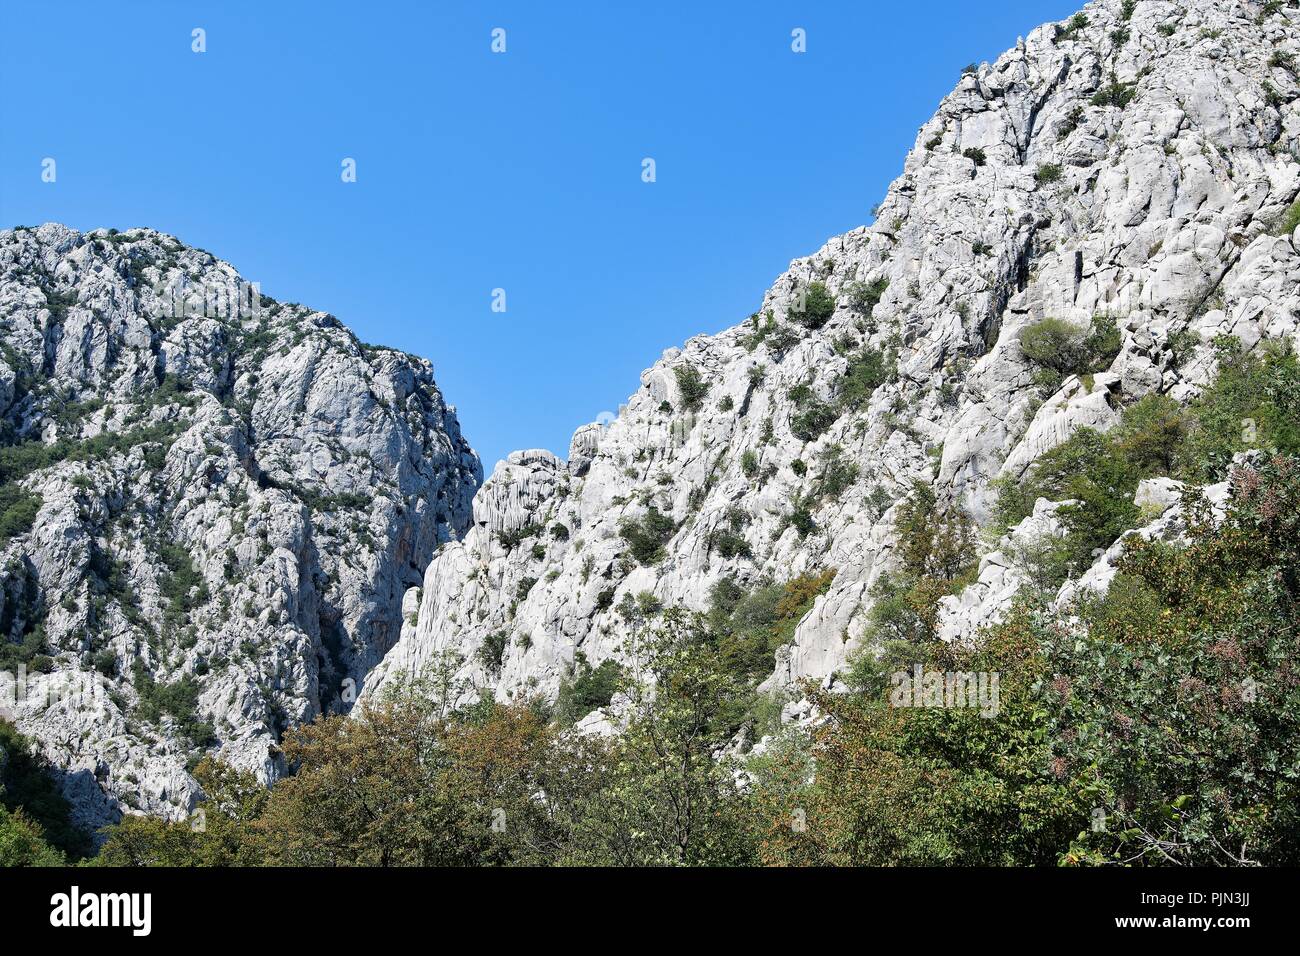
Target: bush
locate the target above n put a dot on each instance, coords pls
(800, 518)
(181, 586)
(818, 307)
(1102, 344)
(691, 386)
(867, 371)
(178, 700)
(1060, 349)
(1053, 344)
(1100, 473)
(1171, 709)
(587, 689)
(730, 544)
(1167, 705)
(728, 541)
(1289, 221)
(1072, 27)
(747, 627)
(1050, 173)
(921, 786)
(782, 340)
(838, 475)
(865, 296)
(976, 155)
(22, 842)
(935, 557)
(1253, 403)
(18, 510)
(645, 537)
(1115, 94)
(492, 652)
(105, 662)
(513, 539)
(22, 629)
(812, 422)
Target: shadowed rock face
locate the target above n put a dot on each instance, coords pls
(1134, 168)
(222, 512)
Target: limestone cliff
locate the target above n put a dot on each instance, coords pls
(213, 504)
(1132, 163)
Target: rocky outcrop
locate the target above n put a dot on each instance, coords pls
(1002, 576)
(214, 505)
(1133, 163)
(1164, 499)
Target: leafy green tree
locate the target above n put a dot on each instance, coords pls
(661, 796)
(935, 553)
(1253, 404)
(691, 386)
(894, 785)
(647, 535)
(1060, 349)
(587, 689)
(1176, 709)
(400, 784)
(18, 509)
(219, 833)
(22, 842)
(747, 626)
(817, 307)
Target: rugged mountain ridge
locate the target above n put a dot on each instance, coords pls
(213, 504)
(226, 524)
(1132, 163)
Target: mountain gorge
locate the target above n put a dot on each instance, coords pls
(244, 521)
(1124, 176)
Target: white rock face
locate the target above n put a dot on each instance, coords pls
(1026, 196)
(1002, 575)
(232, 506)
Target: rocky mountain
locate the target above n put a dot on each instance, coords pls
(1128, 173)
(212, 504)
(225, 515)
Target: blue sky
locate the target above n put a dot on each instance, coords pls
(478, 171)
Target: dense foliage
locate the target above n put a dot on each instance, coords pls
(1156, 724)
(1059, 349)
(1253, 405)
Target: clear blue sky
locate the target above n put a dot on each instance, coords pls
(478, 170)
